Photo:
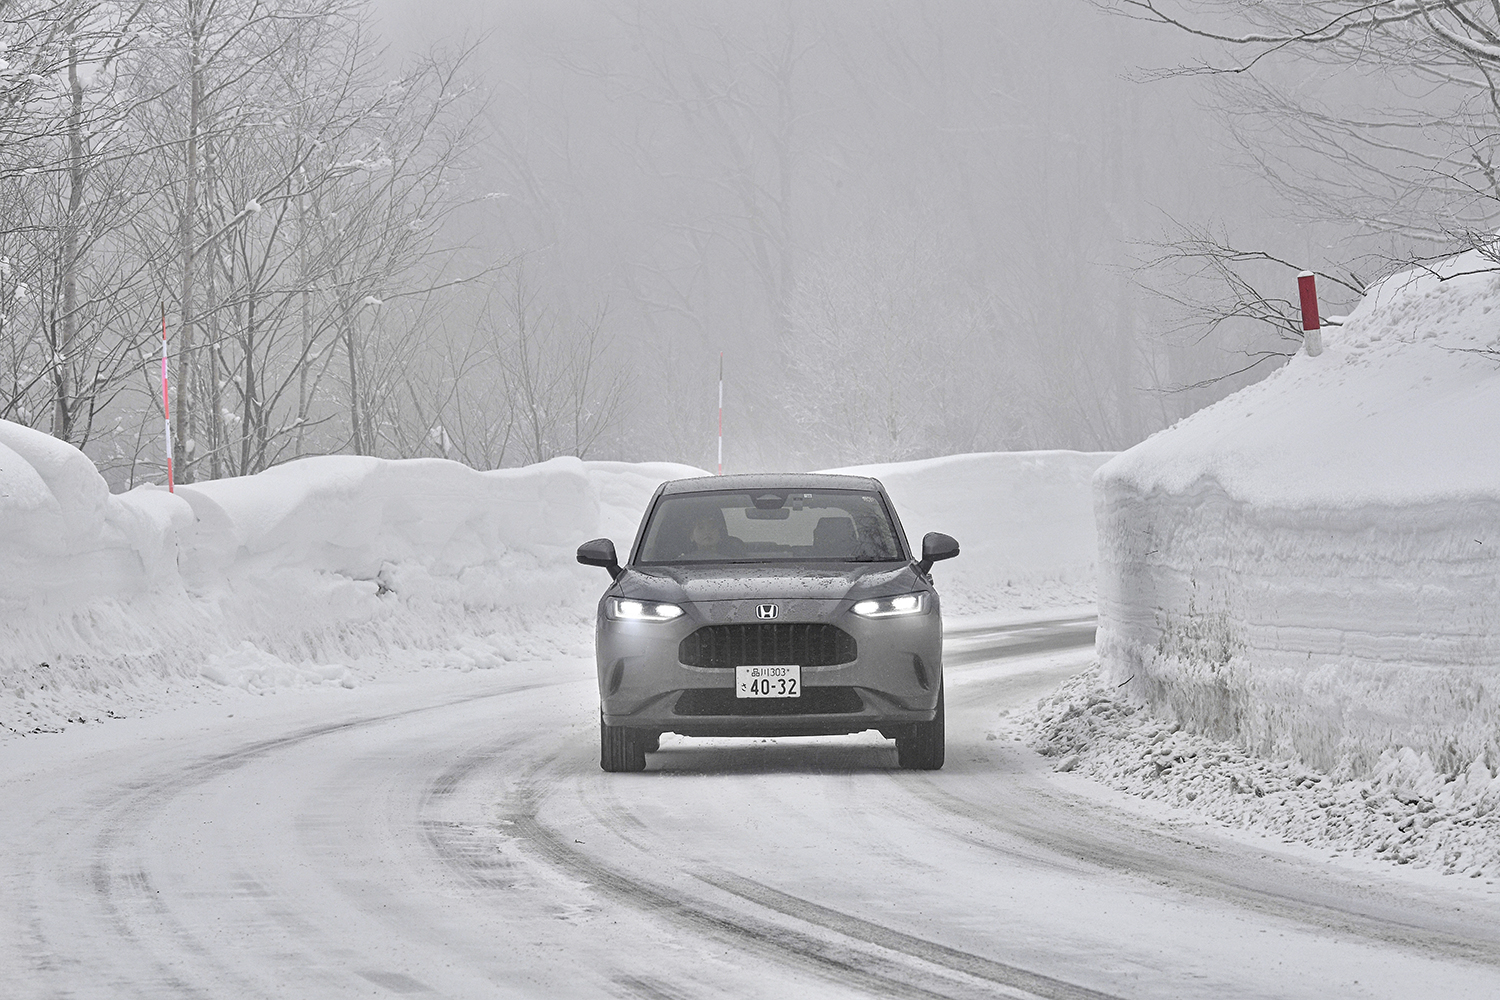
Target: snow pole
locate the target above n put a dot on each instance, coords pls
(1312, 332)
(166, 406)
(721, 413)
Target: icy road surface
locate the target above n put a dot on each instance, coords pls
(452, 836)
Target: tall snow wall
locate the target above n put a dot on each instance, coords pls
(1311, 567)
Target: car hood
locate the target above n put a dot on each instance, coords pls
(754, 581)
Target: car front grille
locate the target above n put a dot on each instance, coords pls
(811, 644)
(813, 701)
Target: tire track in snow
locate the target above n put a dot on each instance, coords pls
(1188, 865)
(1029, 983)
(820, 940)
(123, 892)
(1025, 818)
(475, 859)
(849, 949)
(1026, 639)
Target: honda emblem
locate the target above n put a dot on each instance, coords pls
(765, 611)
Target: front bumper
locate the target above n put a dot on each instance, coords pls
(893, 681)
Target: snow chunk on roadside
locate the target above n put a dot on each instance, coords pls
(1406, 812)
(258, 672)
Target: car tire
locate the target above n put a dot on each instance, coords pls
(620, 748)
(650, 742)
(923, 746)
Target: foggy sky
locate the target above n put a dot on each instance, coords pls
(875, 211)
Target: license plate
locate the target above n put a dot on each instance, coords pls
(768, 682)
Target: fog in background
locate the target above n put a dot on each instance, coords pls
(908, 227)
(503, 232)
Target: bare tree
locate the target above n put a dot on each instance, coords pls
(391, 219)
(1237, 298)
(321, 192)
(565, 393)
(65, 150)
(738, 95)
(895, 357)
(742, 148)
(1375, 123)
(257, 166)
(1402, 146)
(457, 407)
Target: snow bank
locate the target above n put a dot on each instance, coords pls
(325, 570)
(63, 537)
(1310, 566)
(1024, 523)
(312, 572)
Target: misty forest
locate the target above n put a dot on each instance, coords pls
(504, 232)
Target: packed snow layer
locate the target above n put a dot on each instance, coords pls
(1310, 566)
(1024, 523)
(328, 569)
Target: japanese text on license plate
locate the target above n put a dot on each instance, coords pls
(768, 682)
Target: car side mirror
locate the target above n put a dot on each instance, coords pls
(936, 546)
(600, 552)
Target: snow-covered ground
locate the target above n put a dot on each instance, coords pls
(1309, 568)
(420, 809)
(451, 835)
(339, 569)
(1404, 812)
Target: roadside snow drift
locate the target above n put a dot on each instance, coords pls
(1311, 567)
(311, 572)
(64, 538)
(325, 570)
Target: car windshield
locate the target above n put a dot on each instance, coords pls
(774, 525)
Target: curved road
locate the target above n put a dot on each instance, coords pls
(452, 836)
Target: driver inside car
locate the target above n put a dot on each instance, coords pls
(710, 537)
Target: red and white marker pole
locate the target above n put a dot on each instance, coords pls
(166, 405)
(1312, 326)
(721, 413)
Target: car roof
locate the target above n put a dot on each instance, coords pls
(772, 481)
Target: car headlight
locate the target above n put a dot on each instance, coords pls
(891, 607)
(624, 609)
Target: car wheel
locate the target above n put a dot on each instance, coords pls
(620, 748)
(650, 742)
(922, 748)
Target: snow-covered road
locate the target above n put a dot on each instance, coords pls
(451, 835)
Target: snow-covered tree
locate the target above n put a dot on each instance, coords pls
(261, 173)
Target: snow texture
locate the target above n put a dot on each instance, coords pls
(329, 570)
(1309, 568)
(1024, 523)
(318, 571)
(1405, 811)
(65, 538)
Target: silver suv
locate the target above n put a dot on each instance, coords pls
(785, 605)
